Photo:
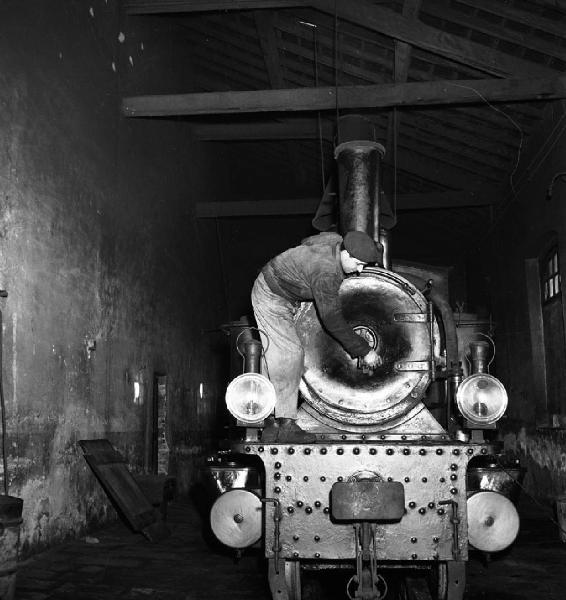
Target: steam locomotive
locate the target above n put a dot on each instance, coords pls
(402, 477)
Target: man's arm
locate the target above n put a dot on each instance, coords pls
(325, 294)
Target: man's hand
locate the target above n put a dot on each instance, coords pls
(371, 360)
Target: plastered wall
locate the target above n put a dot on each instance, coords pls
(110, 278)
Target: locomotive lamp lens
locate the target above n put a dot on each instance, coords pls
(482, 399)
(250, 398)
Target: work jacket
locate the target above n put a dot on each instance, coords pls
(312, 272)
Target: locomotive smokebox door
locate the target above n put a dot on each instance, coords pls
(368, 501)
(393, 317)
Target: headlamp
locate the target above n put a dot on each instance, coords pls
(250, 398)
(482, 399)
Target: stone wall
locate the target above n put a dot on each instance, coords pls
(107, 270)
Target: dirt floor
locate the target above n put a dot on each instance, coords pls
(116, 563)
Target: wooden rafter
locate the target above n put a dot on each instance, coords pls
(392, 24)
(230, 34)
(307, 206)
(372, 96)
(148, 7)
(376, 18)
(442, 10)
(506, 10)
(402, 60)
(264, 22)
(288, 129)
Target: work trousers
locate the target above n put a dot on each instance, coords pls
(284, 354)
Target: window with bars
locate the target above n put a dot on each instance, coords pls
(550, 271)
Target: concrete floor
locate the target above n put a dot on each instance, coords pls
(183, 567)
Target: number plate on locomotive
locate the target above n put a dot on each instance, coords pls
(368, 501)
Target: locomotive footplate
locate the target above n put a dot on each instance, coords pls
(432, 522)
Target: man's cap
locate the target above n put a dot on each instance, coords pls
(361, 246)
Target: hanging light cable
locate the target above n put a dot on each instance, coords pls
(336, 71)
(319, 119)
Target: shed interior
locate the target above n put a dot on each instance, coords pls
(156, 153)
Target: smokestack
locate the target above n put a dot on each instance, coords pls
(359, 159)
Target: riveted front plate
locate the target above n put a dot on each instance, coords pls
(433, 477)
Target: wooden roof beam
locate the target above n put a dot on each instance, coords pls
(287, 129)
(473, 91)
(416, 33)
(401, 63)
(509, 11)
(148, 7)
(374, 17)
(308, 206)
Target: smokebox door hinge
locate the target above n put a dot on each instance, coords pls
(413, 365)
(411, 317)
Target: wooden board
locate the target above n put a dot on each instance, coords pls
(120, 486)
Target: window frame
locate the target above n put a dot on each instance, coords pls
(550, 276)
